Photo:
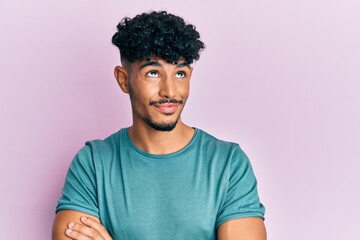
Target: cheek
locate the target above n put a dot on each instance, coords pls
(184, 89)
(144, 94)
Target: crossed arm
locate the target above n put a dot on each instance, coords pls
(69, 224)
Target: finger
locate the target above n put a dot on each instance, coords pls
(75, 235)
(84, 232)
(97, 226)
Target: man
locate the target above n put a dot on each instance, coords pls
(159, 178)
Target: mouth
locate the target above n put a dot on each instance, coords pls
(167, 108)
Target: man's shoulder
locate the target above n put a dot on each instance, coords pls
(213, 142)
(102, 148)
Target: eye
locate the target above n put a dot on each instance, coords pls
(153, 74)
(180, 74)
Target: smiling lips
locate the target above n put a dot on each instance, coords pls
(167, 108)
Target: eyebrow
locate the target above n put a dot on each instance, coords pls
(157, 64)
(150, 63)
(183, 64)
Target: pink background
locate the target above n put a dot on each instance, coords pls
(280, 77)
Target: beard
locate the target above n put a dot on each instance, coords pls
(161, 126)
(156, 125)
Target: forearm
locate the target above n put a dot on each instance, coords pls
(62, 220)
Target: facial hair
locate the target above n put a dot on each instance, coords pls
(161, 126)
(156, 125)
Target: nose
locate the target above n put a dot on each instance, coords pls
(168, 88)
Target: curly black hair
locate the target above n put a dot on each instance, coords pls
(158, 34)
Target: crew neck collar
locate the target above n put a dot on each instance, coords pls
(188, 147)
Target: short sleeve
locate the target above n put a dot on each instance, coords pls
(79, 192)
(241, 198)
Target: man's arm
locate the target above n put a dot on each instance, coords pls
(65, 217)
(252, 228)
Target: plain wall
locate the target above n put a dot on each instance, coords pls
(281, 78)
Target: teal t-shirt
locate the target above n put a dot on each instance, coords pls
(182, 195)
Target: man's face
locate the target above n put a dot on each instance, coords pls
(158, 92)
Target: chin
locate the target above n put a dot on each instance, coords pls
(166, 127)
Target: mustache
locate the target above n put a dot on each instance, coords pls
(162, 101)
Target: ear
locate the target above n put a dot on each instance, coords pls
(121, 76)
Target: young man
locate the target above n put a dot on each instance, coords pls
(159, 178)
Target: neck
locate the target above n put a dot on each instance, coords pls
(161, 142)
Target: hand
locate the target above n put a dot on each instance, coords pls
(91, 230)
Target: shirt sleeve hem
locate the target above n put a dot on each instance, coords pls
(238, 215)
(79, 209)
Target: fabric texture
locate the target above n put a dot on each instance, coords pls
(182, 195)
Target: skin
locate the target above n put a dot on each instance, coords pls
(242, 229)
(69, 224)
(150, 82)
